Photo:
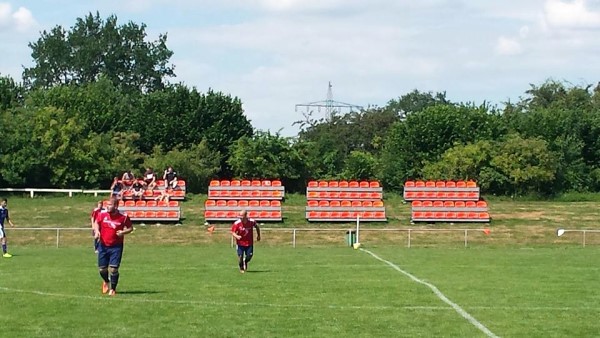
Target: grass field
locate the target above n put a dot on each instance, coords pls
(182, 291)
(181, 281)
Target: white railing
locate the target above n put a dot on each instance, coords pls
(58, 230)
(583, 232)
(32, 191)
(295, 231)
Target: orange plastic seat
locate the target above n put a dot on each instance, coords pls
(214, 183)
(255, 193)
(312, 203)
(410, 194)
(140, 203)
(353, 184)
(245, 183)
(243, 203)
(245, 194)
(225, 183)
(420, 184)
(439, 214)
(378, 204)
(335, 204)
(440, 194)
(214, 193)
(459, 204)
(461, 184)
(275, 203)
(210, 203)
(440, 184)
(364, 195)
(312, 194)
(427, 203)
(449, 204)
(483, 215)
(275, 214)
(173, 214)
(312, 214)
(363, 184)
(179, 193)
(409, 184)
(374, 184)
(323, 203)
(379, 214)
(482, 204)
(323, 184)
(221, 203)
(430, 184)
(344, 195)
(333, 184)
(162, 204)
(343, 184)
(235, 183)
(276, 183)
(150, 214)
(470, 204)
(462, 214)
(265, 183)
(473, 194)
(346, 203)
(129, 203)
(210, 214)
(255, 183)
(333, 194)
(416, 204)
(471, 184)
(438, 204)
(450, 214)
(253, 203)
(418, 214)
(151, 203)
(161, 214)
(276, 194)
(231, 214)
(356, 204)
(235, 193)
(313, 184)
(265, 203)
(181, 183)
(450, 184)
(232, 203)
(451, 195)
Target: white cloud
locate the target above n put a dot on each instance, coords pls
(21, 20)
(574, 14)
(508, 46)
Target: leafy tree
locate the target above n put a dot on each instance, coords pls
(265, 155)
(196, 165)
(415, 102)
(94, 47)
(359, 166)
(11, 93)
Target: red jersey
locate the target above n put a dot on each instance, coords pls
(109, 224)
(96, 212)
(244, 230)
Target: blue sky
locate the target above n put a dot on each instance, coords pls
(274, 54)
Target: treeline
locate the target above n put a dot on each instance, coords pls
(97, 102)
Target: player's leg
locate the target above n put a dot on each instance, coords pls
(240, 253)
(103, 260)
(249, 254)
(5, 253)
(113, 267)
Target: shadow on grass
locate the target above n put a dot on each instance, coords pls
(139, 292)
(257, 271)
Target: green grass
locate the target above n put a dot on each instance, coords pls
(183, 290)
(180, 281)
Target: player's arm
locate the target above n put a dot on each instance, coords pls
(127, 228)
(257, 232)
(234, 234)
(96, 228)
(9, 221)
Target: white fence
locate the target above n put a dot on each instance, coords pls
(32, 191)
(583, 232)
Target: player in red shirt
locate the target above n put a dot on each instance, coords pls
(110, 226)
(95, 213)
(242, 231)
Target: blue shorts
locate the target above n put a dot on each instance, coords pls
(110, 255)
(248, 250)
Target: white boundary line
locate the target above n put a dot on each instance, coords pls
(210, 304)
(440, 295)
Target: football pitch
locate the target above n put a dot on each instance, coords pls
(383, 291)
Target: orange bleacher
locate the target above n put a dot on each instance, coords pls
(445, 201)
(178, 193)
(139, 211)
(261, 198)
(344, 201)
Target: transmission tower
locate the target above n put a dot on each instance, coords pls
(331, 107)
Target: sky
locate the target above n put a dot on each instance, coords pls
(275, 54)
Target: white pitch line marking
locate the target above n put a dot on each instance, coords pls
(439, 294)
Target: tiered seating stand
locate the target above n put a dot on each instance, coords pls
(149, 210)
(261, 198)
(445, 201)
(344, 201)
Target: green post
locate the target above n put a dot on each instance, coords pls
(351, 237)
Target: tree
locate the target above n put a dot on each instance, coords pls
(94, 47)
(11, 93)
